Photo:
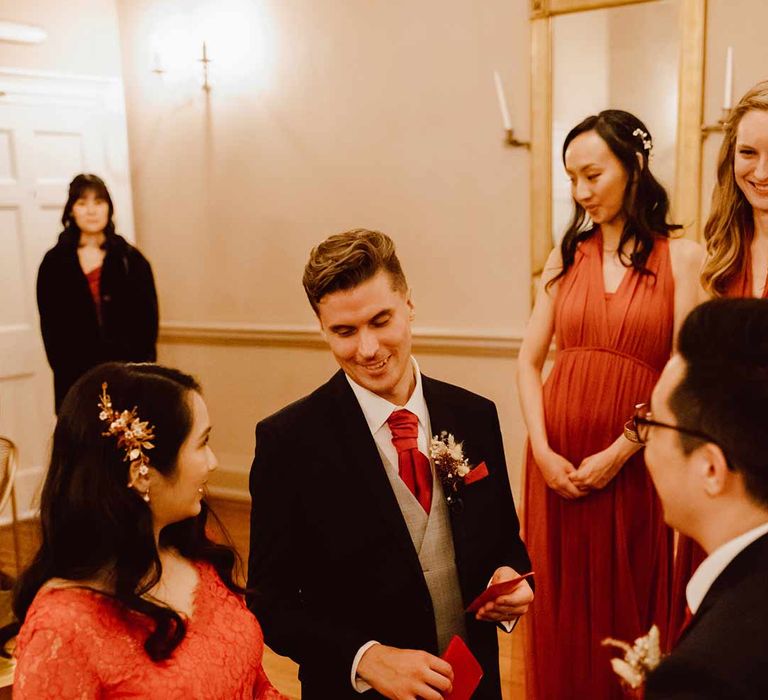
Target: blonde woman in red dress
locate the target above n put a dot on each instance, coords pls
(736, 237)
(612, 296)
(127, 595)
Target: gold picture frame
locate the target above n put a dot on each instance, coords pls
(686, 194)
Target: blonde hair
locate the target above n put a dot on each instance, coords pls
(729, 228)
(345, 260)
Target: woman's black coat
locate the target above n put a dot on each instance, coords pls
(74, 340)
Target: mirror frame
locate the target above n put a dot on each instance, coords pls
(686, 194)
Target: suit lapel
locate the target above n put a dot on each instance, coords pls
(362, 457)
(754, 557)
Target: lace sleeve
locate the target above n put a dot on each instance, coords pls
(51, 666)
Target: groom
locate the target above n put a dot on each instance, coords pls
(361, 560)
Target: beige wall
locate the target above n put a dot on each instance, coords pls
(82, 36)
(323, 117)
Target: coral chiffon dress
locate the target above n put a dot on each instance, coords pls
(603, 562)
(689, 554)
(77, 643)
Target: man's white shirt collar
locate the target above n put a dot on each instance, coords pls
(715, 564)
(376, 409)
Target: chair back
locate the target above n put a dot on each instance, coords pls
(7, 469)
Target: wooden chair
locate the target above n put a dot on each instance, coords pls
(8, 456)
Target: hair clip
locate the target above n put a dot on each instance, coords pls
(647, 144)
(133, 435)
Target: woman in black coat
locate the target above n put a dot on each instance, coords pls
(95, 291)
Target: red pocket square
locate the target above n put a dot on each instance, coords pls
(479, 472)
(466, 670)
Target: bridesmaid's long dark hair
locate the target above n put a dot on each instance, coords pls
(93, 524)
(646, 203)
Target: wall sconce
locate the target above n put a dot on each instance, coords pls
(205, 61)
(158, 67)
(707, 129)
(510, 139)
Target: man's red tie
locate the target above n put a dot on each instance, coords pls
(686, 621)
(413, 465)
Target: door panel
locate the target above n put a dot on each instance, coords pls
(51, 128)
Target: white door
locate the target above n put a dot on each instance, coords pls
(51, 128)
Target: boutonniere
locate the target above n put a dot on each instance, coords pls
(639, 659)
(452, 467)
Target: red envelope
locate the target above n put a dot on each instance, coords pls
(479, 472)
(467, 672)
(494, 591)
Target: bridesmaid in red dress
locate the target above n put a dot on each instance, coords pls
(612, 295)
(736, 236)
(127, 595)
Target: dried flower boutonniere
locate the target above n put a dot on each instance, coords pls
(639, 659)
(450, 463)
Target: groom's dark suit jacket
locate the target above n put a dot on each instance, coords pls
(723, 653)
(331, 562)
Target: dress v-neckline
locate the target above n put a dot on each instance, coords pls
(627, 271)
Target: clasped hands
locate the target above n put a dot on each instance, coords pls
(594, 472)
(410, 674)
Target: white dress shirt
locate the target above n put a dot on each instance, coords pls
(715, 564)
(376, 411)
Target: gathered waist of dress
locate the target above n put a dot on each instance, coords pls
(609, 351)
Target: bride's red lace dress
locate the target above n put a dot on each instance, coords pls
(77, 643)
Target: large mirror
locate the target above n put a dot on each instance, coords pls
(645, 56)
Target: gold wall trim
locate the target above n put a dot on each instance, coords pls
(425, 340)
(548, 8)
(686, 199)
(541, 147)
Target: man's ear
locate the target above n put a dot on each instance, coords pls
(714, 469)
(410, 304)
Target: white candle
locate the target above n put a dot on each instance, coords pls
(728, 92)
(502, 101)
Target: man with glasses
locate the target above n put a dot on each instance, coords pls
(706, 437)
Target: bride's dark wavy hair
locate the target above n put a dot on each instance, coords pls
(93, 524)
(646, 203)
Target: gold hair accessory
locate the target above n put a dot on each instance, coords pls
(643, 135)
(133, 434)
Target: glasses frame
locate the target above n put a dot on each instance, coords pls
(642, 420)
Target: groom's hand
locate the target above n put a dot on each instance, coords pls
(405, 674)
(507, 607)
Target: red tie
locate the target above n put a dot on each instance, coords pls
(413, 465)
(686, 621)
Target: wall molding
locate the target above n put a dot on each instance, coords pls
(22, 86)
(425, 340)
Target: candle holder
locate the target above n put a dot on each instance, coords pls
(205, 61)
(510, 140)
(707, 129)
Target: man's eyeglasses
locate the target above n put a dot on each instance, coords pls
(637, 428)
